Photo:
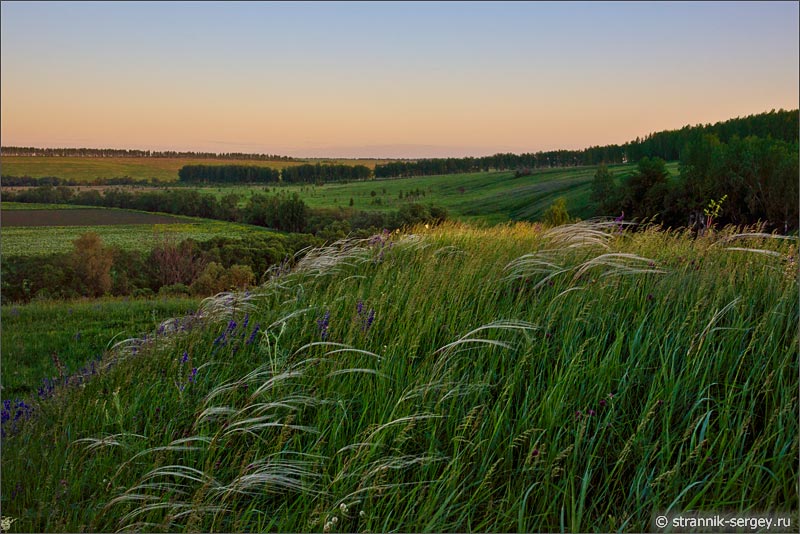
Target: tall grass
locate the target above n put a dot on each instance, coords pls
(460, 379)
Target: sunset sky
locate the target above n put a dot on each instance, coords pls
(386, 79)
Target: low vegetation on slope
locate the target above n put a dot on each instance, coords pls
(580, 378)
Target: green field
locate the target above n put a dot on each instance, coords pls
(43, 240)
(164, 169)
(456, 379)
(490, 197)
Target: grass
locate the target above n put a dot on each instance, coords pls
(44, 240)
(164, 169)
(457, 379)
(78, 332)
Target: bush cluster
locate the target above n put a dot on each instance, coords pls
(173, 268)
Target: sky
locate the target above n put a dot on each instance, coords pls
(381, 79)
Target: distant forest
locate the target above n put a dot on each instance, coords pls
(668, 145)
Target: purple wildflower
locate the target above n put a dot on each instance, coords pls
(253, 335)
(323, 323)
(220, 339)
(619, 220)
(246, 320)
(193, 375)
(591, 412)
(185, 357)
(20, 410)
(603, 403)
(360, 307)
(370, 319)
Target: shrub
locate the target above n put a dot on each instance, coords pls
(557, 214)
(92, 263)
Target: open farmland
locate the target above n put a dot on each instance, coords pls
(87, 169)
(83, 217)
(44, 240)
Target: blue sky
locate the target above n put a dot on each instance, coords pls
(349, 79)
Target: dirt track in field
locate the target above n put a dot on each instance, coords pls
(81, 217)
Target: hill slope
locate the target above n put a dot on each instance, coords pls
(452, 380)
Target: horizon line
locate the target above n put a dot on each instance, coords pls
(387, 146)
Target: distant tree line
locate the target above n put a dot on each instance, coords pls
(324, 173)
(231, 174)
(133, 153)
(501, 162)
(752, 179)
(667, 145)
(243, 174)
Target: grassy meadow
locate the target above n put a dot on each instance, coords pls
(486, 197)
(456, 379)
(77, 332)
